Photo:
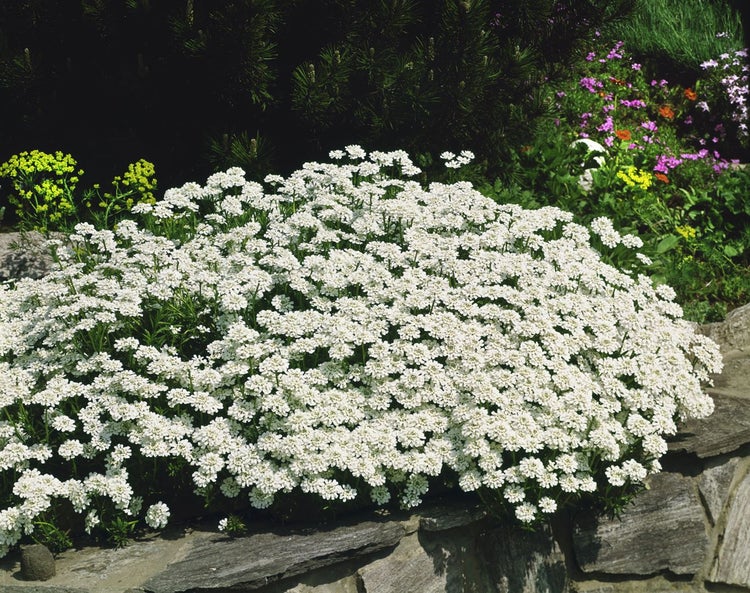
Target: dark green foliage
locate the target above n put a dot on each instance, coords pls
(194, 85)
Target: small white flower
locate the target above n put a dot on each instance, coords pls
(157, 515)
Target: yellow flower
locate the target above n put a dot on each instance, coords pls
(43, 186)
(635, 177)
(686, 231)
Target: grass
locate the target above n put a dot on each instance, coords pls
(678, 35)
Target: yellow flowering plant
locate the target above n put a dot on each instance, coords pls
(136, 185)
(43, 186)
(44, 192)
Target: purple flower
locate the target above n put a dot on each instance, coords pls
(647, 139)
(650, 126)
(561, 94)
(609, 140)
(709, 64)
(665, 162)
(607, 126)
(608, 108)
(703, 105)
(635, 66)
(613, 53)
(635, 103)
(591, 84)
(590, 57)
(688, 120)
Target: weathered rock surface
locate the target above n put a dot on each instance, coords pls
(37, 563)
(713, 486)
(23, 255)
(733, 333)
(733, 562)
(725, 431)
(256, 560)
(663, 530)
(523, 562)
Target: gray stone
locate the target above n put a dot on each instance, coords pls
(713, 485)
(724, 431)
(734, 380)
(37, 563)
(23, 255)
(657, 584)
(663, 530)
(522, 561)
(257, 560)
(732, 565)
(408, 568)
(30, 588)
(449, 516)
(733, 333)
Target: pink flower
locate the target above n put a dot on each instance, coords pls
(607, 126)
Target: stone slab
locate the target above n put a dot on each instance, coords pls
(653, 585)
(105, 570)
(23, 255)
(450, 516)
(724, 431)
(256, 560)
(733, 333)
(408, 568)
(732, 564)
(713, 485)
(734, 379)
(663, 530)
(523, 561)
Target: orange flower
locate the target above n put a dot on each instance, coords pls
(661, 177)
(666, 111)
(617, 81)
(623, 134)
(690, 94)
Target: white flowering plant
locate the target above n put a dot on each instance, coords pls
(343, 332)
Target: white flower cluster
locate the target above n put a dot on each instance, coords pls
(349, 331)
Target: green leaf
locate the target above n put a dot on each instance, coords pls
(730, 251)
(667, 243)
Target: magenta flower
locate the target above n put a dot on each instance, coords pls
(607, 126)
(635, 103)
(665, 162)
(613, 53)
(591, 84)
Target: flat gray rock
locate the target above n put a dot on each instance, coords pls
(254, 561)
(663, 530)
(733, 333)
(733, 562)
(522, 561)
(713, 485)
(408, 568)
(450, 516)
(724, 431)
(23, 255)
(734, 380)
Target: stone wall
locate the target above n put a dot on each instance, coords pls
(689, 532)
